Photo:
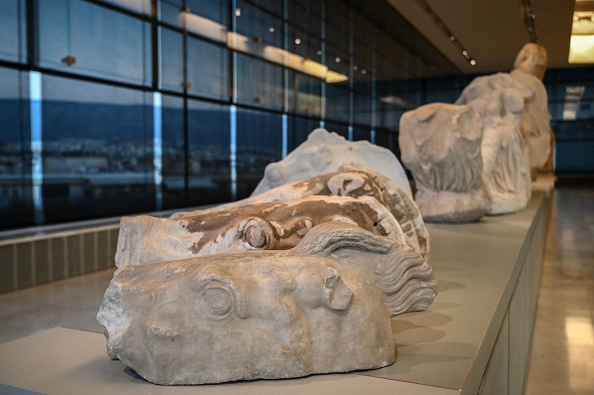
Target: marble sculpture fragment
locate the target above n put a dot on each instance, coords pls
(529, 69)
(276, 225)
(349, 180)
(500, 101)
(441, 146)
(325, 152)
(322, 306)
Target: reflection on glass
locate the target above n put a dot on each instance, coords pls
(255, 25)
(305, 94)
(340, 129)
(259, 83)
(83, 38)
(207, 69)
(259, 142)
(169, 11)
(16, 201)
(337, 102)
(360, 133)
(209, 171)
(13, 37)
(386, 139)
(97, 150)
(172, 60)
(298, 130)
(140, 6)
(300, 63)
(173, 154)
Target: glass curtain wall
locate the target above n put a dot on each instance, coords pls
(125, 106)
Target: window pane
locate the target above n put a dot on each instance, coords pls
(215, 10)
(209, 153)
(208, 70)
(140, 6)
(361, 134)
(306, 15)
(97, 150)
(13, 39)
(172, 60)
(259, 142)
(258, 26)
(173, 153)
(385, 138)
(340, 129)
(305, 94)
(259, 83)
(170, 12)
(16, 201)
(299, 129)
(83, 38)
(337, 102)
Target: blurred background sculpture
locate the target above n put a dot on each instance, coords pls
(499, 101)
(515, 142)
(441, 146)
(529, 69)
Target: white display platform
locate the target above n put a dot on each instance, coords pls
(475, 337)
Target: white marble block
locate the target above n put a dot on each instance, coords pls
(441, 146)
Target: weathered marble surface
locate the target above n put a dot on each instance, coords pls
(440, 144)
(275, 225)
(350, 180)
(500, 102)
(325, 152)
(316, 308)
(536, 120)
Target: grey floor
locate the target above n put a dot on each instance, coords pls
(562, 359)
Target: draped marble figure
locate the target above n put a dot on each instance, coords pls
(500, 101)
(441, 146)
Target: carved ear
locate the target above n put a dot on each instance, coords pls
(337, 295)
(257, 233)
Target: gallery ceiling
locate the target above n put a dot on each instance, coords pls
(492, 31)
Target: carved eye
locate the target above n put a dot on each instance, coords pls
(218, 302)
(257, 233)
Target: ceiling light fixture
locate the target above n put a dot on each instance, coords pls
(581, 45)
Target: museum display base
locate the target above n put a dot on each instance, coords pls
(475, 338)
